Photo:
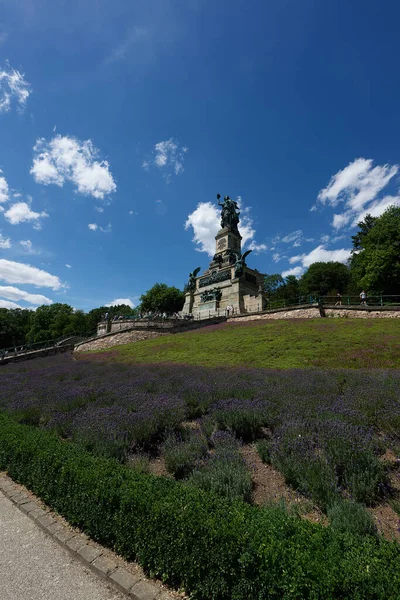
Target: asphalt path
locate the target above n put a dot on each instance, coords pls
(35, 567)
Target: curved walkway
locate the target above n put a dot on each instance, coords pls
(43, 558)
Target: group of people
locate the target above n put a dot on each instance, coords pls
(363, 298)
(230, 310)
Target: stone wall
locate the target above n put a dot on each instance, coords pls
(313, 312)
(117, 339)
(298, 313)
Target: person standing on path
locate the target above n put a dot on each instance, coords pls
(363, 298)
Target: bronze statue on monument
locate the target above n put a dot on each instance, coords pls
(229, 213)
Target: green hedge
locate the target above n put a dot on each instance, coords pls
(213, 548)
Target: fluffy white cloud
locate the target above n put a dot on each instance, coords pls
(66, 158)
(321, 254)
(206, 222)
(4, 191)
(119, 301)
(8, 304)
(15, 272)
(296, 271)
(357, 187)
(13, 87)
(4, 242)
(68, 266)
(95, 227)
(20, 212)
(168, 156)
(13, 293)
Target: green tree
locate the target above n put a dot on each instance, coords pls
(292, 288)
(14, 326)
(162, 299)
(364, 229)
(272, 285)
(375, 263)
(322, 278)
(49, 322)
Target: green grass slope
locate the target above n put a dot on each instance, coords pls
(322, 343)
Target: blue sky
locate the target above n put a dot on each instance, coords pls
(121, 121)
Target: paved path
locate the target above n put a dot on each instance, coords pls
(35, 567)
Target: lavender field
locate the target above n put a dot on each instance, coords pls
(334, 435)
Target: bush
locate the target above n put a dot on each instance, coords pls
(181, 456)
(225, 471)
(294, 455)
(245, 419)
(264, 450)
(346, 516)
(213, 548)
(349, 452)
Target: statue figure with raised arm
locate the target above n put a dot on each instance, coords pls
(229, 213)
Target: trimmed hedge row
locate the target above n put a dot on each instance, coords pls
(213, 548)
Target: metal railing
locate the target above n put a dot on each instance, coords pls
(45, 345)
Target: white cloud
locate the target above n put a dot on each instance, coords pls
(13, 87)
(295, 238)
(257, 248)
(375, 209)
(296, 271)
(21, 212)
(4, 191)
(66, 158)
(8, 304)
(28, 247)
(12, 293)
(99, 209)
(95, 227)
(68, 266)
(206, 222)
(320, 254)
(15, 272)
(4, 242)
(119, 301)
(357, 187)
(169, 157)
(276, 257)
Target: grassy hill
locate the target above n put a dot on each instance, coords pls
(322, 343)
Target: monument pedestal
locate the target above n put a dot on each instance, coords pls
(228, 281)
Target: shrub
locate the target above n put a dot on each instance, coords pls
(346, 516)
(213, 548)
(225, 471)
(349, 451)
(264, 450)
(139, 463)
(244, 418)
(181, 456)
(294, 455)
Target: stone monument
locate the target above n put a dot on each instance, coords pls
(228, 281)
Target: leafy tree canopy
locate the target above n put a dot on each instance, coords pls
(375, 263)
(162, 299)
(325, 277)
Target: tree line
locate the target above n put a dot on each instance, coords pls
(19, 326)
(374, 266)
